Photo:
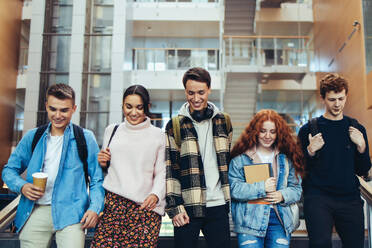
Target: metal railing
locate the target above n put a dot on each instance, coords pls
(268, 51)
(366, 192)
(161, 59)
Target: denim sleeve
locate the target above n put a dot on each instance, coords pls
(18, 162)
(240, 190)
(292, 193)
(96, 191)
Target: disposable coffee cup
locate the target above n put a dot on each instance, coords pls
(40, 179)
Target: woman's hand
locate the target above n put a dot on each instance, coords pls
(103, 157)
(270, 184)
(274, 197)
(150, 202)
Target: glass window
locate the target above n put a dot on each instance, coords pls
(59, 53)
(183, 59)
(172, 59)
(295, 106)
(101, 54)
(97, 115)
(103, 18)
(62, 17)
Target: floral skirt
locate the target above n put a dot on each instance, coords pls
(123, 224)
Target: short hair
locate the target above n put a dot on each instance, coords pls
(61, 91)
(198, 74)
(142, 92)
(333, 82)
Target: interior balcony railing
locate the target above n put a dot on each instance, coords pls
(366, 191)
(161, 59)
(267, 51)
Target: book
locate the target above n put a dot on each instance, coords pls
(257, 173)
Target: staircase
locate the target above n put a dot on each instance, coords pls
(239, 17)
(240, 100)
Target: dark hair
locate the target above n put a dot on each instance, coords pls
(142, 92)
(333, 82)
(285, 139)
(61, 91)
(198, 74)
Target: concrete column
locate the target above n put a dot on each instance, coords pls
(77, 53)
(34, 64)
(117, 61)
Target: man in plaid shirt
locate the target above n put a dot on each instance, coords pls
(197, 159)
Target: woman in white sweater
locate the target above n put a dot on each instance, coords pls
(135, 182)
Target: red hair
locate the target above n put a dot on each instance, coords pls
(285, 142)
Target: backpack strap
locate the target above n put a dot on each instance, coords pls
(176, 130)
(313, 125)
(112, 135)
(228, 121)
(353, 122)
(39, 132)
(82, 149)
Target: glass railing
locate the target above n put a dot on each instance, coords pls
(161, 59)
(267, 51)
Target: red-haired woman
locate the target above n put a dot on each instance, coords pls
(266, 139)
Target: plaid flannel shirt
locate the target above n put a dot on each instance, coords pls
(185, 181)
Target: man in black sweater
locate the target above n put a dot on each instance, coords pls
(333, 156)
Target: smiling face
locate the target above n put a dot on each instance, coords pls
(334, 104)
(267, 135)
(133, 109)
(59, 113)
(197, 94)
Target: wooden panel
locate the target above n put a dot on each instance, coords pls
(10, 27)
(333, 23)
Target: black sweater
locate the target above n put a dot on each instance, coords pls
(333, 171)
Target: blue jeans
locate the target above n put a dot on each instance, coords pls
(275, 236)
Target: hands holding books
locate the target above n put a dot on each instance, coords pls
(272, 195)
(270, 184)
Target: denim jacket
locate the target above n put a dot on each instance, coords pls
(253, 219)
(70, 199)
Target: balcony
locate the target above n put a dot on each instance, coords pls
(156, 67)
(286, 55)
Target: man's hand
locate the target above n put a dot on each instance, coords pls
(150, 202)
(32, 192)
(103, 157)
(181, 219)
(89, 220)
(357, 138)
(274, 197)
(270, 184)
(315, 143)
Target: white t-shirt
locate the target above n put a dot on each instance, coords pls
(51, 166)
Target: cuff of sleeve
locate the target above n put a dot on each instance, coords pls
(261, 190)
(285, 198)
(19, 186)
(176, 210)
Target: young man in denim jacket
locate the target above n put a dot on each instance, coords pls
(65, 208)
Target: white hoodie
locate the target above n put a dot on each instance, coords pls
(214, 194)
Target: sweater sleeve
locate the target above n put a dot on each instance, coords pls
(159, 171)
(173, 186)
(362, 160)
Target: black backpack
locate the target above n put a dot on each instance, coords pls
(80, 142)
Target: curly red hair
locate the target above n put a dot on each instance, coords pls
(285, 142)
